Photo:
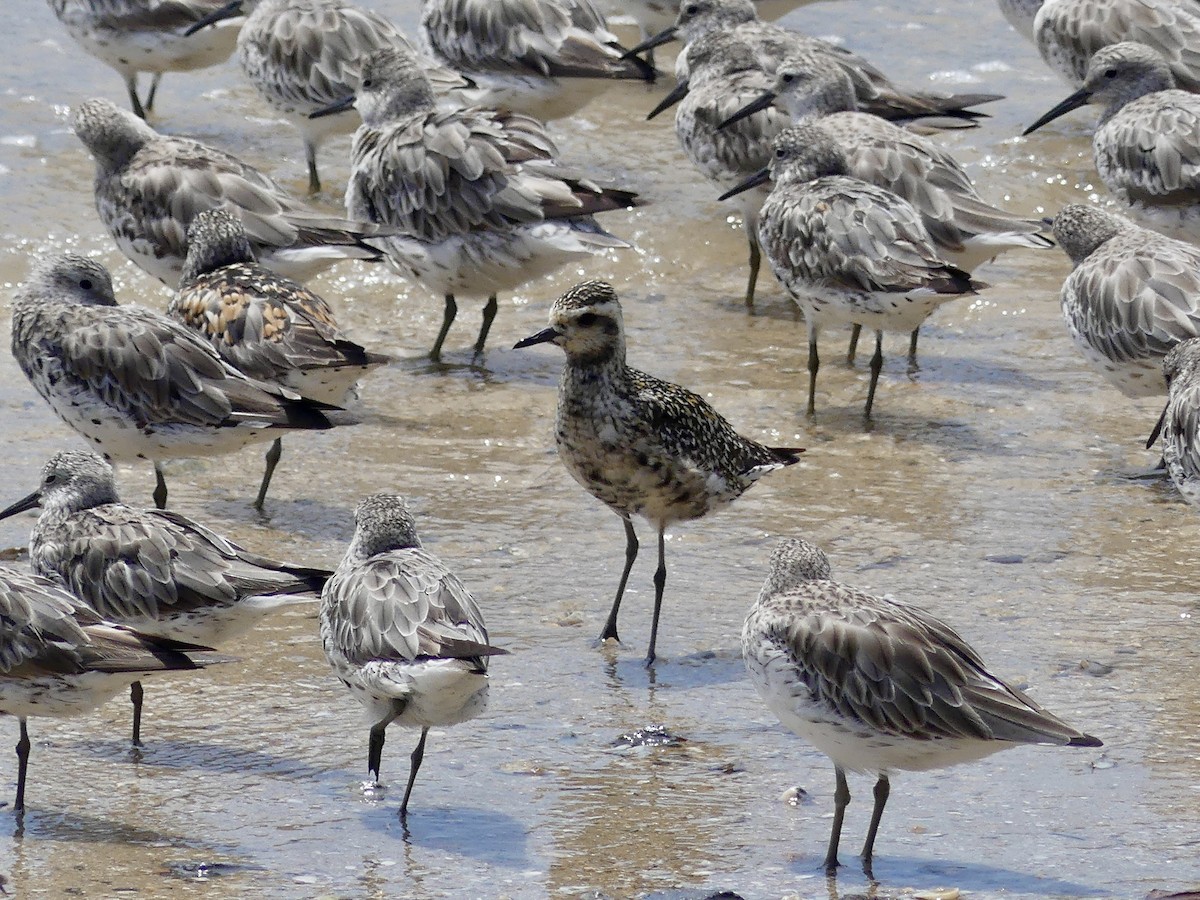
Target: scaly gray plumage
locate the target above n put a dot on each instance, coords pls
(135, 36)
(153, 570)
(1133, 295)
(149, 187)
(875, 92)
(402, 632)
(476, 186)
(724, 75)
(135, 383)
(878, 685)
(848, 252)
(1146, 146)
(641, 445)
(263, 324)
(1179, 424)
(544, 58)
(59, 658)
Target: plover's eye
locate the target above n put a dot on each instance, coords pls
(691, 9)
(50, 479)
(86, 284)
(368, 82)
(1110, 73)
(788, 77)
(587, 320)
(779, 152)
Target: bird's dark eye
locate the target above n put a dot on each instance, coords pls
(779, 153)
(50, 479)
(587, 320)
(368, 82)
(691, 9)
(788, 77)
(86, 284)
(1110, 73)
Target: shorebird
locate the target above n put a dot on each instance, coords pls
(1133, 295)
(545, 58)
(263, 324)
(58, 658)
(302, 55)
(402, 632)
(847, 251)
(135, 383)
(476, 188)
(1179, 424)
(876, 93)
(877, 685)
(149, 187)
(1148, 136)
(641, 445)
(135, 36)
(652, 16)
(152, 570)
(967, 230)
(1067, 33)
(723, 76)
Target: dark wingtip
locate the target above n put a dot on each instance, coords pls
(787, 455)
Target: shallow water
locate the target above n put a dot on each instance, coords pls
(992, 488)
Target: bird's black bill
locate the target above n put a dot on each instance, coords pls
(545, 336)
(750, 109)
(762, 176)
(33, 501)
(677, 93)
(1076, 100)
(663, 37)
(1150, 441)
(228, 11)
(337, 106)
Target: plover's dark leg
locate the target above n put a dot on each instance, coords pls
(852, 350)
(22, 765)
(134, 101)
(841, 799)
(912, 346)
(154, 82)
(883, 787)
(447, 320)
(314, 180)
(631, 551)
(160, 487)
(417, 755)
(814, 363)
(660, 582)
(489, 313)
(272, 458)
(755, 263)
(375, 747)
(876, 366)
(135, 697)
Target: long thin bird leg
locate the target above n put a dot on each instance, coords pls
(852, 350)
(160, 487)
(489, 313)
(447, 320)
(134, 101)
(841, 799)
(912, 346)
(660, 582)
(154, 83)
(272, 458)
(631, 551)
(883, 787)
(375, 747)
(314, 180)
(876, 366)
(755, 264)
(135, 697)
(22, 766)
(417, 756)
(814, 363)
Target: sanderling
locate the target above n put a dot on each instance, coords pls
(152, 570)
(1067, 33)
(262, 324)
(136, 36)
(58, 658)
(1148, 136)
(135, 383)
(967, 230)
(723, 76)
(149, 187)
(1133, 295)
(1179, 424)
(402, 632)
(878, 685)
(641, 445)
(847, 251)
(302, 55)
(875, 92)
(545, 58)
(481, 207)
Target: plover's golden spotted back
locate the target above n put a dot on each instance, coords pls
(265, 325)
(59, 658)
(877, 685)
(154, 570)
(402, 632)
(641, 445)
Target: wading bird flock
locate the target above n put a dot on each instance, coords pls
(457, 184)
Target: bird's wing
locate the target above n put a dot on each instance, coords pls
(1150, 150)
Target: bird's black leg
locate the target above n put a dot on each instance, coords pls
(660, 582)
(160, 487)
(852, 350)
(631, 551)
(135, 697)
(22, 766)
(489, 313)
(814, 363)
(448, 315)
(876, 367)
(841, 799)
(417, 755)
(883, 787)
(274, 454)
